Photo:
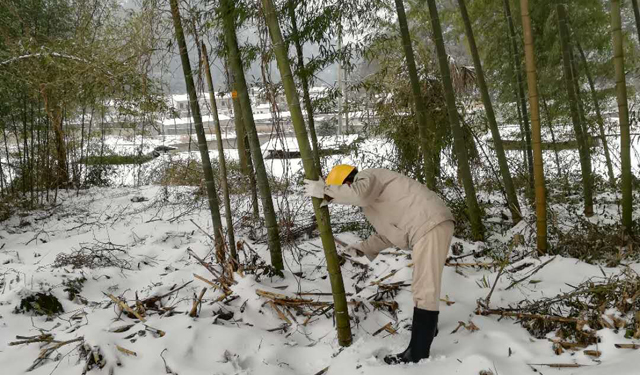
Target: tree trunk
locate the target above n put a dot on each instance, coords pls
(202, 140)
(223, 165)
(243, 152)
(553, 135)
(228, 13)
(599, 119)
(623, 111)
(54, 111)
(473, 209)
(583, 147)
(636, 14)
(311, 172)
(303, 76)
(512, 197)
(521, 96)
(246, 166)
(426, 125)
(541, 200)
(576, 88)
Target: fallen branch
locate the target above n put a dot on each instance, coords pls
(530, 274)
(31, 339)
(559, 365)
(387, 327)
(126, 351)
(518, 315)
(47, 350)
(281, 315)
(627, 346)
(125, 307)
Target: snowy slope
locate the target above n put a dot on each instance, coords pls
(158, 233)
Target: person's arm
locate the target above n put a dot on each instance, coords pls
(373, 245)
(362, 191)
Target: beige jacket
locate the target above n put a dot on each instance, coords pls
(400, 209)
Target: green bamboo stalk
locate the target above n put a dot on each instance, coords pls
(636, 15)
(221, 160)
(623, 111)
(538, 167)
(426, 125)
(303, 76)
(241, 144)
(569, 79)
(322, 213)
(475, 215)
(228, 12)
(197, 118)
(515, 62)
(599, 119)
(512, 197)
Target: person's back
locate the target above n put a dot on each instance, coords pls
(398, 207)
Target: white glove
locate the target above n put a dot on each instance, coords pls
(313, 188)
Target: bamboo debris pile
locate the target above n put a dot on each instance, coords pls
(282, 305)
(96, 255)
(253, 264)
(604, 244)
(576, 316)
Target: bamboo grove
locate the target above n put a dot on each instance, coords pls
(69, 68)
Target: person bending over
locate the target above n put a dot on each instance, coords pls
(406, 214)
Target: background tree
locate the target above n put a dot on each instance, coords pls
(623, 113)
(512, 198)
(473, 209)
(224, 183)
(571, 87)
(426, 125)
(212, 194)
(228, 16)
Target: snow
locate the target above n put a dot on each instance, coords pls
(158, 233)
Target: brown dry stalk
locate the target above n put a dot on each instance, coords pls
(387, 327)
(559, 365)
(518, 315)
(627, 346)
(281, 315)
(196, 302)
(126, 351)
(125, 307)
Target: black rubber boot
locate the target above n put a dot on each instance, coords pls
(423, 330)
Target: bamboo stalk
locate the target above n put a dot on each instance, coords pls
(212, 194)
(126, 351)
(279, 312)
(538, 167)
(343, 326)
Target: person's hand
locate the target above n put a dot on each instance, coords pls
(313, 188)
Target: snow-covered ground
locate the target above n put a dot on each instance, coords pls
(242, 334)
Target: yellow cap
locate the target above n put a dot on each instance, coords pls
(339, 173)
